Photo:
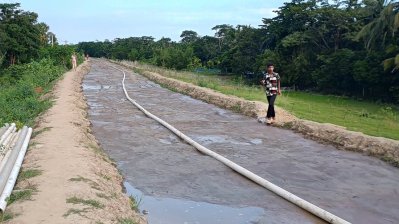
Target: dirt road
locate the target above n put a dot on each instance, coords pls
(180, 185)
(78, 183)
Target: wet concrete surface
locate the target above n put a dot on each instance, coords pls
(180, 185)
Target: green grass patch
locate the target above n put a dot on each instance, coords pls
(89, 202)
(135, 202)
(80, 178)
(20, 195)
(22, 87)
(102, 195)
(92, 184)
(4, 217)
(36, 133)
(367, 117)
(126, 221)
(106, 177)
(28, 173)
(100, 152)
(75, 211)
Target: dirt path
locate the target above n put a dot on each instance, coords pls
(78, 183)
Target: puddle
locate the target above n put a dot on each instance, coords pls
(94, 105)
(94, 87)
(173, 211)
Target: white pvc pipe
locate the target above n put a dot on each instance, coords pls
(15, 171)
(7, 155)
(4, 148)
(8, 139)
(7, 133)
(5, 173)
(319, 212)
(3, 145)
(3, 129)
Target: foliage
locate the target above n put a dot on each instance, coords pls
(21, 36)
(374, 119)
(334, 47)
(60, 54)
(22, 87)
(30, 62)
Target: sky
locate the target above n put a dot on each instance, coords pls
(91, 20)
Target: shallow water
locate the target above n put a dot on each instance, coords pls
(170, 210)
(174, 178)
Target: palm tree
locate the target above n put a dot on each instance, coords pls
(386, 23)
(383, 26)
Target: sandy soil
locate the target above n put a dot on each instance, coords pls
(386, 149)
(73, 166)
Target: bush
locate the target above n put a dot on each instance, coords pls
(61, 55)
(22, 87)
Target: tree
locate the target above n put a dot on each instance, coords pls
(246, 48)
(188, 36)
(315, 45)
(224, 33)
(376, 32)
(43, 32)
(20, 39)
(205, 49)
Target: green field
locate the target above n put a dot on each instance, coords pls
(367, 117)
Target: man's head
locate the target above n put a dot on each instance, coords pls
(270, 67)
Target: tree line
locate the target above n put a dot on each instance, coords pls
(23, 39)
(30, 62)
(343, 47)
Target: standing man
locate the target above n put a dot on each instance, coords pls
(271, 81)
(74, 63)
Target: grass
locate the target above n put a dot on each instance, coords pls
(76, 211)
(80, 178)
(27, 192)
(106, 177)
(22, 87)
(92, 183)
(126, 221)
(102, 195)
(89, 202)
(28, 173)
(36, 133)
(367, 117)
(135, 203)
(100, 152)
(4, 217)
(20, 195)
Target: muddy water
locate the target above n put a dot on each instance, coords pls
(177, 184)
